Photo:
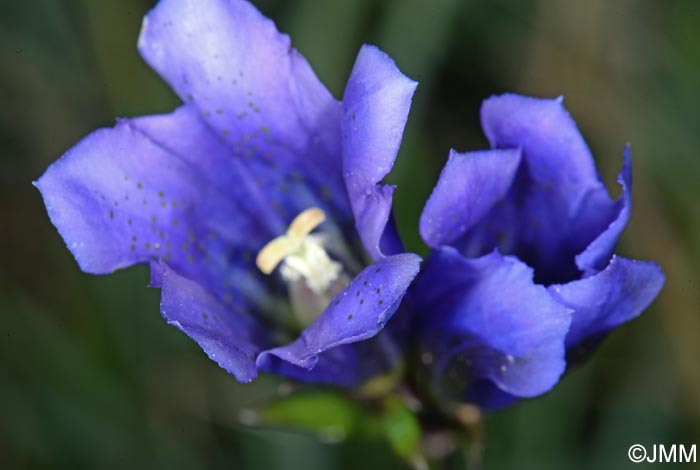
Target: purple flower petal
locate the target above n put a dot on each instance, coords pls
(228, 336)
(485, 319)
(249, 85)
(268, 194)
(347, 365)
(560, 202)
(357, 313)
(119, 199)
(597, 255)
(608, 299)
(375, 109)
(489, 396)
(470, 185)
(557, 157)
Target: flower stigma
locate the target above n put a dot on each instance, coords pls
(301, 254)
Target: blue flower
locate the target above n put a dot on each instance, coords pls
(522, 281)
(256, 203)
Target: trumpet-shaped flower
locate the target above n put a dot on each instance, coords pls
(523, 280)
(257, 203)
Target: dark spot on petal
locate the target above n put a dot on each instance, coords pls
(362, 301)
(205, 316)
(350, 317)
(111, 214)
(377, 270)
(381, 302)
(139, 185)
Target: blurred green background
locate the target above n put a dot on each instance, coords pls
(90, 375)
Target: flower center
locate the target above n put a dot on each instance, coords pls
(301, 254)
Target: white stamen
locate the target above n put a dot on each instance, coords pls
(301, 254)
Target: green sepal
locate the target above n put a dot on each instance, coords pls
(401, 428)
(332, 416)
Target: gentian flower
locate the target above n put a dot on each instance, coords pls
(523, 281)
(257, 203)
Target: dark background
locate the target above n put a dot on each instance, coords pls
(92, 377)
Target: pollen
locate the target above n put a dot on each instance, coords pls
(301, 253)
